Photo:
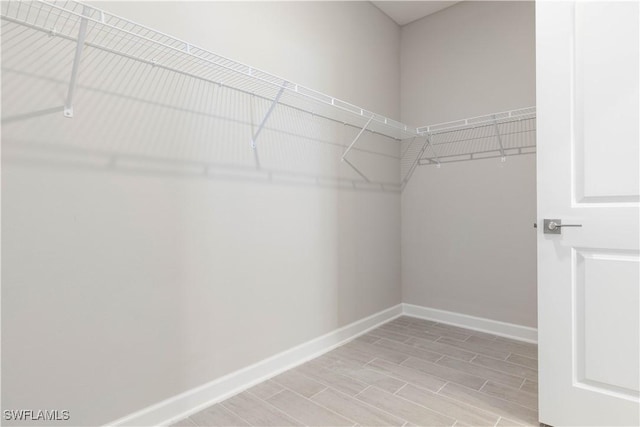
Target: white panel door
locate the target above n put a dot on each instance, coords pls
(588, 173)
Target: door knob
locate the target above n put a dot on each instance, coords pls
(554, 226)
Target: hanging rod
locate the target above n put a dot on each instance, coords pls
(129, 39)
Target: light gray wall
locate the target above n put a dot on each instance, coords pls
(468, 244)
(131, 273)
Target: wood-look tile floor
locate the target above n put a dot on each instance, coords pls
(408, 372)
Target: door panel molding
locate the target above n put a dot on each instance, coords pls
(589, 372)
(597, 146)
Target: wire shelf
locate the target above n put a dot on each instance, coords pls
(497, 135)
(121, 55)
(116, 35)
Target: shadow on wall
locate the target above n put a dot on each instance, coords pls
(134, 284)
(132, 117)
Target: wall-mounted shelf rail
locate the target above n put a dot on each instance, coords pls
(497, 135)
(98, 29)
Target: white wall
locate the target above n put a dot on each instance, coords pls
(468, 244)
(133, 273)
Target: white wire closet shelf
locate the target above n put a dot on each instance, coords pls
(286, 114)
(496, 135)
(503, 134)
(98, 29)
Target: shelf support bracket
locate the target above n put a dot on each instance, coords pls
(254, 138)
(433, 150)
(357, 170)
(344, 155)
(356, 139)
(82, 34)
(435, 159)
(503, 156)
(416, 162)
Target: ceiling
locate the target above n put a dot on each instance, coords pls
(404, 12)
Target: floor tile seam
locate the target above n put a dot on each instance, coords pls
(370, 405)
(505, 372)
(379, 336)
(398, 390)
(264, 398)
(499, 398)
(395, 376)
(417, 348)
(520, 364)
(238, 415)
(453, 348)
(479, 408)
(512, 401)
(318, 392)
(370, 368)
(492, 370)
(426, 407)
(477, 353)
(488, 411)
(320, 405)
(326, 383)
(359, 393)
(442, 377)
(244, 419)
(266, 402)
(515, 353)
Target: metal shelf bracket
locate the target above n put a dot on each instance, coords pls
(433, 150)
(82, 34)
(344, 155)
(356, 139)
(416, 161)
(254, 138)
(503, 157)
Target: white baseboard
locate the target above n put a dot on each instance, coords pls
(495, 327)
(194, 400)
